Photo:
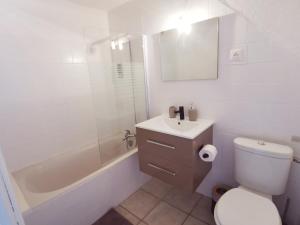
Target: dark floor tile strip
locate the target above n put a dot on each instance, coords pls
(112, 217)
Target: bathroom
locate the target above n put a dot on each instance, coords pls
(78, 77)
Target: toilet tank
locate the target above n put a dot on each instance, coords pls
(262, 166)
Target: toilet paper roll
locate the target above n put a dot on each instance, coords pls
(208, 153)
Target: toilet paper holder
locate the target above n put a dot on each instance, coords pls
(204, 155)
(208, 153)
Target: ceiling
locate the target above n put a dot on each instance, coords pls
(100, 4)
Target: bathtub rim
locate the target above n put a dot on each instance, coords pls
(51, 196)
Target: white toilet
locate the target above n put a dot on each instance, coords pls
(262, 170)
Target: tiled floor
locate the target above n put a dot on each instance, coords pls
(158, 203)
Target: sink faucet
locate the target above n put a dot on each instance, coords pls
(181, 112)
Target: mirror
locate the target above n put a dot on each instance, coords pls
(192, 54)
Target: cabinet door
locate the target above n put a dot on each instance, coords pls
(168, 170)
(165, 146)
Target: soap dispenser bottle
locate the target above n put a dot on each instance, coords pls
(193, 113)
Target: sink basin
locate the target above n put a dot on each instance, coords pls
(179, 125)
(173, 126)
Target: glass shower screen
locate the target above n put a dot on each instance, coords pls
(117, 74)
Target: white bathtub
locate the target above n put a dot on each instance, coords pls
(77, 188)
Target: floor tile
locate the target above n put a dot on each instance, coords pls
(203, 211)
(140, 203)
(193, 221)
(157, 188)
(164, 214)
(127, 215)
(182, 200)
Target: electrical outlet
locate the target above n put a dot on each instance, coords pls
(295, 139)
(238, 55)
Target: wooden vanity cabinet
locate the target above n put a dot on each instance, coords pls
(173, 159)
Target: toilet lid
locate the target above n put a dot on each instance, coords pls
(242, 207)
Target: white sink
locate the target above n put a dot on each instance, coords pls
(179, 125)
(181, 128)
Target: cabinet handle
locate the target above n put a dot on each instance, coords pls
(160, 144)
(162, 169)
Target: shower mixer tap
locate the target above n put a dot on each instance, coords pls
(128, 134)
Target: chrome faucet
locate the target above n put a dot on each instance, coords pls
(181, 112)
(127, 134)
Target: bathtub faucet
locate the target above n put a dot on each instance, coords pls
(128, 134)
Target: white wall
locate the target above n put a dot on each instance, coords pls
(45, 94)
(274, 18)
(148, 16)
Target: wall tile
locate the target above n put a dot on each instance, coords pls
(45, 93)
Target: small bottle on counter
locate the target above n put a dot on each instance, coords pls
(193, 113)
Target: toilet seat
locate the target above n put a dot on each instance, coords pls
(242, 207)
